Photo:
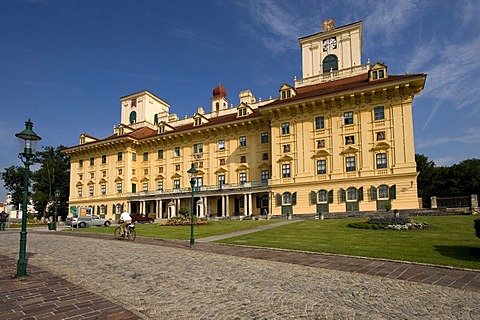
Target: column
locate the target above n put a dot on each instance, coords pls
(224, 213)
(205, 206)
(245, 205)
(160, 209)
(250, 206)
(227, 205)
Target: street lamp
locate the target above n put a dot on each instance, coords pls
(57, 202)
(28, 143)
(193, 173)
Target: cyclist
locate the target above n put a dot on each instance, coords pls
(125, 220)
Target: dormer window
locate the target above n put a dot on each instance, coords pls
(242, 112)
(378, 71)
(378, 74)
(161, 129)
(198, 121)
(286, 92)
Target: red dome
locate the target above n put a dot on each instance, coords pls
(219, 91)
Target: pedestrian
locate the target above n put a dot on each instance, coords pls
(3, 220)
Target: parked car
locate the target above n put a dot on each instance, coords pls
(82, 222)
(141, 219)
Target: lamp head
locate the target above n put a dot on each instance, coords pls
(28, 139)
(57, 193)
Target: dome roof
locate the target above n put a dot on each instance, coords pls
(219, 91)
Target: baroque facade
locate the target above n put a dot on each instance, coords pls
(340, 139)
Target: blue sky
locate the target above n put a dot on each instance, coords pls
(65, 63)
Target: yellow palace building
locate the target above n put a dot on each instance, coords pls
(340, 139)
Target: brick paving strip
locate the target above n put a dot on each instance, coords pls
(42, 295)
(423, 273)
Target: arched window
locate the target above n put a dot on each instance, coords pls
(155, 119)
(133, 117)
(322, 196)
(287, 198)
(330, 63)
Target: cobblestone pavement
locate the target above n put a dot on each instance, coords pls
(176, 282)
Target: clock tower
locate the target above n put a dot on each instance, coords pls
(331, 54)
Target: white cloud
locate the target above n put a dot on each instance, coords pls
(469, 136)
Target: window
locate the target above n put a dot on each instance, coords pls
(322, 196)
(120, 156)
(349, 140)
(133, 117)
(380, 135)
(351, 194)
(330, 63)
(160, 185)
(80, 176)
(264, 137)
(176, 184)
(145, 172)
(80, 163)
(287, 198)
(243, 159)
(155, 118)
(286, 148)
(198, 121)
(134, 156)
(160, 169)
(320, 143)
(243, 141)
(90, 190)
(350, 164)
(321, 166)
(379, 113)
(119, 187)
(79, 192)
(286, 128)
(381, 160)
(103, 189)
(198, 182)
(145, 156)
(104, 173)
(221, 179)
(242, 112)
(92, 175)
(176, 152)
(383, 192)
(222, 162)
(134, 188)
(242, 177)
(92, 161)
(200, 164)
(286, 94)
(265, 156)
(198, 148)
(319, 123)
(221, 144)
(104, 159)
(286, 170)
(120, 171)
(145, 186)
(177, 167)
(265, 175)
(348, 117)
(160, 154)
(378, 74)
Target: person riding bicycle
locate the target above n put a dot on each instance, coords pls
(125, 220)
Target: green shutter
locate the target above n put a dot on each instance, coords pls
(360, 194)
(313, 197)
(294, 198)
(343, 195)
(330, 196)
(393, 192)
(279, 199)
(373, 193)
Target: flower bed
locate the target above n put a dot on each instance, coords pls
(389, 223)
(183, 221)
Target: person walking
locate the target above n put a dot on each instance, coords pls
(3, 220)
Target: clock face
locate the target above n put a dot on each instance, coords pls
(329, 44)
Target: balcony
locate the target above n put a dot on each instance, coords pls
(333, 75)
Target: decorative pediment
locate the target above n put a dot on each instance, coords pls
(349, 150)
(200, 172)
(118, 179)
(79, 184)
(159, 177)
(145, 179)
(380, 146)
(264, 166)
(242, 167)
(220, 170)
(134, 179)
(285, 158)
(90, 183)
(176, 176)
(102, 181)
(321, 154)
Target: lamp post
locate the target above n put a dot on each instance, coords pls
(193, 173)
(28, 143)
(57, 202)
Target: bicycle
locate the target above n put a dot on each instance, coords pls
(129, 232)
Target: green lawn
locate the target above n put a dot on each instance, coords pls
(450, 241)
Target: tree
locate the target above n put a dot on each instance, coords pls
(13, 181)
(426, 170)
(54, 172)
